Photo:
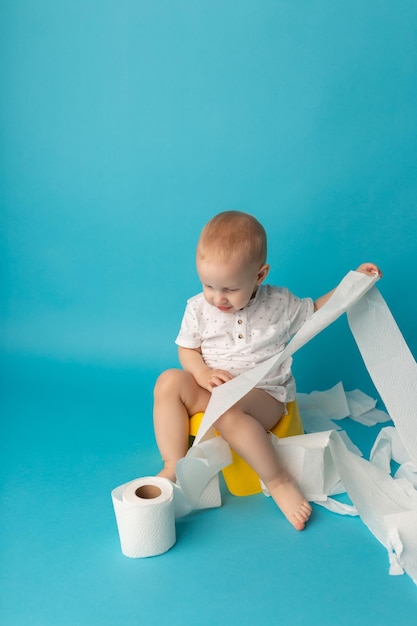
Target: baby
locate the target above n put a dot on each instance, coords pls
(234, 324)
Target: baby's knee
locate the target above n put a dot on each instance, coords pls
(227, 423)
(168, 381)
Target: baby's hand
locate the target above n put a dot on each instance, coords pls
(370, 269)
(213, 378)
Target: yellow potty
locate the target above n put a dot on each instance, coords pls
(240, 478)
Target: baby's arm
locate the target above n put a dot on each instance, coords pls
(366, 268)
(192, 361)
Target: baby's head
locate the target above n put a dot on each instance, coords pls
(231, 255)
(233, 234)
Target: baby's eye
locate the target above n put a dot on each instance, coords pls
(231, 290)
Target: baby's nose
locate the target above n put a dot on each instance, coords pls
(219, 299)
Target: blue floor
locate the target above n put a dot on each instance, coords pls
(72, 432)
(124, 126)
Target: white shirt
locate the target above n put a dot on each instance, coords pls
(236, 342)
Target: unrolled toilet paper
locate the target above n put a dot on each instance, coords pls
(321, 462)
(145, 516)
(387, 507)
(349, 291)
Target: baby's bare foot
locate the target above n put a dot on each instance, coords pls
(290, 500)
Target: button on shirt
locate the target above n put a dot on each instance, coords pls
(236, 342)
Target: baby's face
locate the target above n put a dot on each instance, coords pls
(229, 285)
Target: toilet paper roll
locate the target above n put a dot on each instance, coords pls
(145, 516)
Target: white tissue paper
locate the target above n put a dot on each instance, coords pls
(198, 476)
(321, 462)
(327, 463)
(352, 287)
(389, 362)
(145, 516)
(320, 409)
(146, 508)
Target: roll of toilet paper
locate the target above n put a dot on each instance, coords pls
(145, 516)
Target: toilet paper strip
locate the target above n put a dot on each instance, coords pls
(197, 484)
(386, 505)
(325, 463)
(389, 362)
(322, 410)
(389, 447)
(323, 466)
(353, 286)
(145, 516)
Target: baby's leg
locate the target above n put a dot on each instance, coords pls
(176, 397)
(245, 428)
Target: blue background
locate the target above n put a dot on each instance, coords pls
(124, 127)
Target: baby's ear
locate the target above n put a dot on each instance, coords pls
(262, 274)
